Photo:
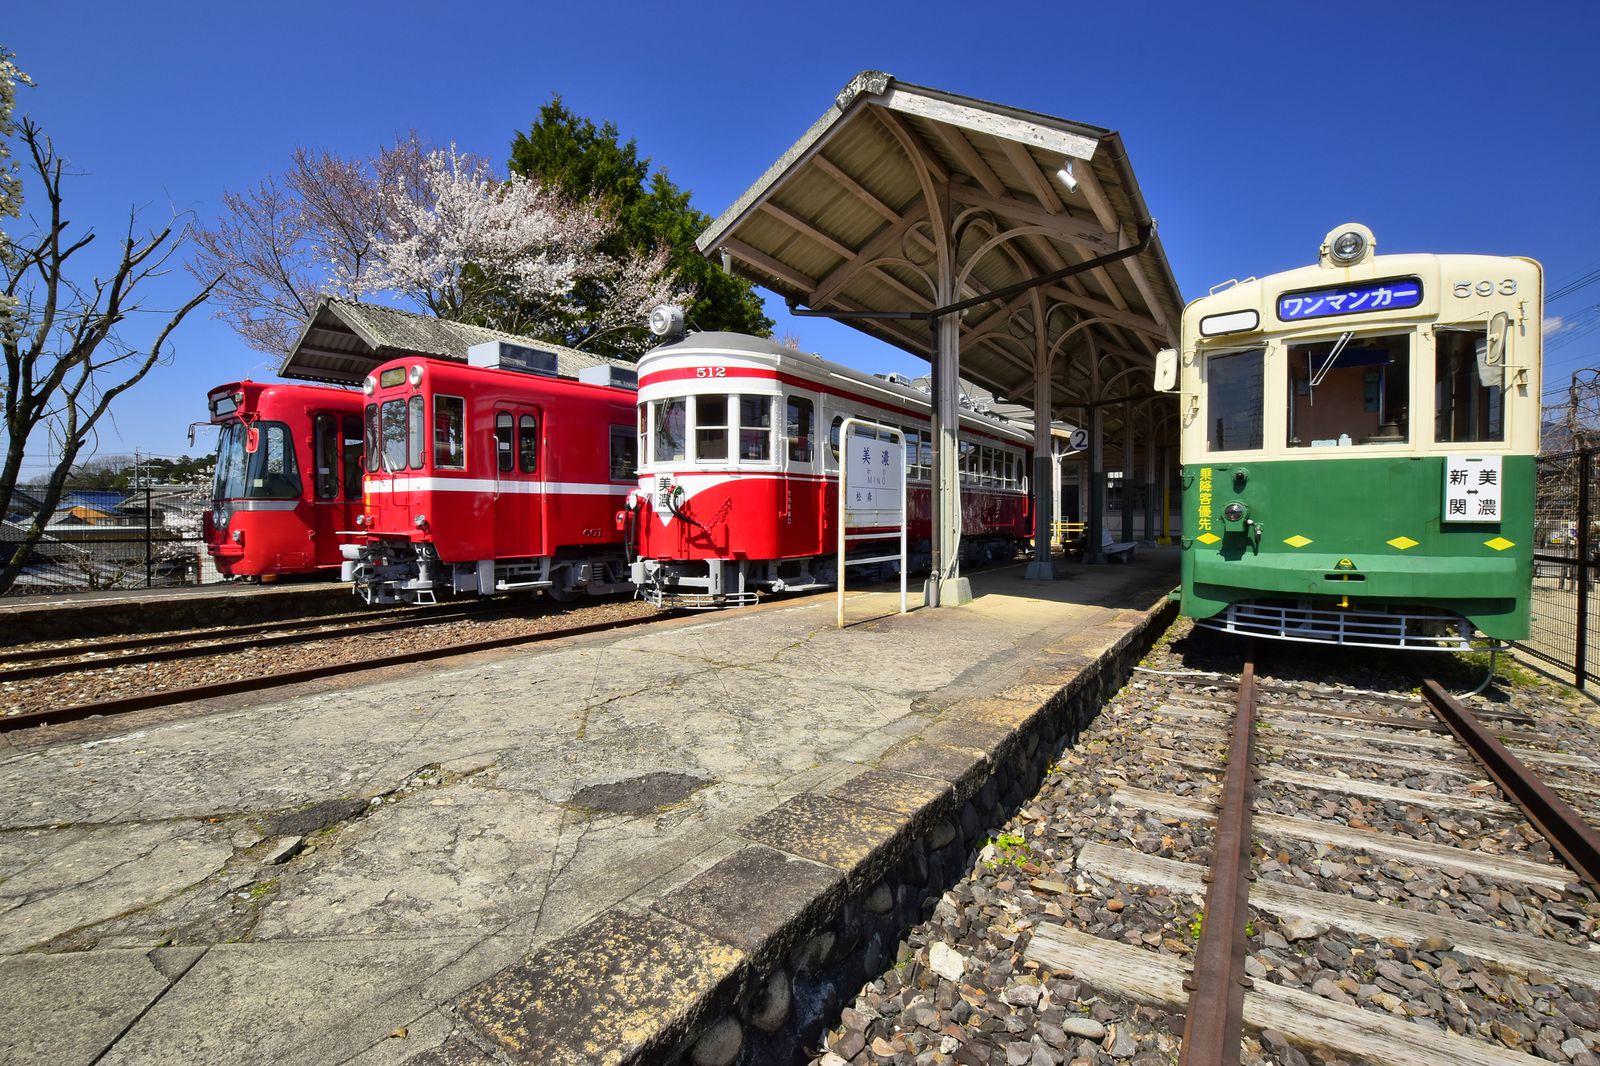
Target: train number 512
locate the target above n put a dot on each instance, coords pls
(710, 371)
(1507, 287)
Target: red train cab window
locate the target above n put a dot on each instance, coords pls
(352, 457)
(527, 444)
(374, 442)
(416, 432)
(711, 428)
(449, 433)
(798, 423)
(503, 424)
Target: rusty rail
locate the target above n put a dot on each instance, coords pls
(1574, 839)
(1214, 1021)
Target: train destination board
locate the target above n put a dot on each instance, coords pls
(1472, 488)
(1388, 294)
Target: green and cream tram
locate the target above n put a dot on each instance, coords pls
(1358, 443)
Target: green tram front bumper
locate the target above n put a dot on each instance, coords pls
(1362, 536)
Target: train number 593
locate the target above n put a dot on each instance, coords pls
(1507, 287)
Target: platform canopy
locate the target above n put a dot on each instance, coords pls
(345, 341)
(895, 180)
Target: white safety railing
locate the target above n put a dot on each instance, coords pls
(874, 485)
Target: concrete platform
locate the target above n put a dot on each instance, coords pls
(609, 849)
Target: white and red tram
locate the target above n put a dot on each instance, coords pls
(739, 468)
(493, 478)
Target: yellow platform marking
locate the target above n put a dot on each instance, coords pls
(1500, 544)
(1402, 543)
(1208, 538)
(1297, 541)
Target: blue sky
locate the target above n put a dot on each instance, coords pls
(1253, 128)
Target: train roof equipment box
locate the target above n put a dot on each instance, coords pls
(617, 377)
(499, 355)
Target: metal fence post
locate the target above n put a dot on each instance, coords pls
(149, 557)
(1584, 571)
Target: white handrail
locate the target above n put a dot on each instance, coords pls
(905, 509)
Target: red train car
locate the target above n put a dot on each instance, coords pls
(288, 478)
(493, 477)
(738, 486)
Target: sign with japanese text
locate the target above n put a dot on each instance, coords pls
(1472, 488)
(1203, 518)
(874, 473)
(1390, 294)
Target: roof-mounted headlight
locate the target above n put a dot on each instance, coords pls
(666, 320)
(1347, 245)
(416, 374)
(369, 385)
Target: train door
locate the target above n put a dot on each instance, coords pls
(519, 498)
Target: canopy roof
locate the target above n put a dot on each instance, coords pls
(345, 340)
(895, 181)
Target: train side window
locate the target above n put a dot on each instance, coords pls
(913, 449)
(644, 432)
(416, 432)
(374, 443)
(503, 423)
(528, 444)
(1234, 400)
(624, 454)
(798, 425)
(755, 428)
(1469, 394)
(394, 435)
(1350, 390)
(711, 428)
(833, 436)
(670, 418)
(325, 448)
(449, 433)
(351, 450)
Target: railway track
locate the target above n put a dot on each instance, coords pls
(1270, 753)
(309, 644)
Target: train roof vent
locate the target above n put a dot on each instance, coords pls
(501, 355)
(605, 374)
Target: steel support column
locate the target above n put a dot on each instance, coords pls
(1042, 567)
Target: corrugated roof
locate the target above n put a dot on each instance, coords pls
(854, 217)
(345, 340)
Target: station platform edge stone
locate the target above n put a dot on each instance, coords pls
(628, 847)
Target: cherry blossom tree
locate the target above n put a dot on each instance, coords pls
(505, 254)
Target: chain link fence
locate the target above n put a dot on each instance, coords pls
(1566, 612)
(148, 537)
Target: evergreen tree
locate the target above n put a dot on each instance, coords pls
(588, 161)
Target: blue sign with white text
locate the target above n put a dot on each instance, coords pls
(1390, 294)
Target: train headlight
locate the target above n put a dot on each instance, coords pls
(238, 536)
(1234, 512)
(1347, 245)
(666, 320)
(420, 521)
(416, 374)
(369, 385)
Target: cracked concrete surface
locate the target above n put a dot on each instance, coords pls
(141, 921)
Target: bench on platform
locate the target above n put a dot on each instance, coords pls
(1113, 550)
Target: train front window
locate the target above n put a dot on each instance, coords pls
(374, 442)
(393, 425)
(272, 473)
(416, 432)
(1350, 390)
(449, 433)
(1469, 394)
(711, 427)
(670, 418)
(1234, 400)
(229, 480)
(755, 428)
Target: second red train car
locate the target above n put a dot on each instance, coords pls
(493, 477)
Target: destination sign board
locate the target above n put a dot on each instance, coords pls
(1387, 294)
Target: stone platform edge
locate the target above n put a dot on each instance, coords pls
(746, 962)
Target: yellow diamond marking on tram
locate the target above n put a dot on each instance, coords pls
(1297, 541)
(1208, 538)
(1500, 544)
(1402, 543)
